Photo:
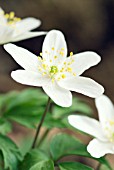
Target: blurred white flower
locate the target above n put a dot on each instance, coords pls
(14, 29)
(102, 130)
(56, 73)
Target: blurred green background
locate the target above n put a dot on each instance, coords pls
(87, 25)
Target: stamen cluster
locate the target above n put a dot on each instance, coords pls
(53, 71)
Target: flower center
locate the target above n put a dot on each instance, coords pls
(110, 130)
(11, 19)
(53, 70)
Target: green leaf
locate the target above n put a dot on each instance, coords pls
(32, 95)
(73, 166)
(1, 161)
(5, 100)
(51, 122)
(44, 165)
(5, 126)
(64, 144)
(77, 106)
(25, 145)
(104, 167)
(10, 153)
(32, 158)
(25, 107)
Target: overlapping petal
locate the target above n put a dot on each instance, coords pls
(83, 61)
(6, 34)
(105, 109)
(23, 57)
(98, 148)
(82, 85)
(54, 48)
(87, 125)
(59, 95)
(2, 18)
(28, 24)
(17, 30)
(29, 78)
(27, 35)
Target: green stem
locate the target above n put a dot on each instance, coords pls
(43, 137)
(41, 122)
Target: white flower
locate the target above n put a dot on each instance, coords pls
(14, 29)
(56, 73)
(102, 130)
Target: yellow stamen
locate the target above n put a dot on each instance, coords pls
(44, 66)
(61, 53)
(111, 122)
(63, 76)
(74, 74)
(41, 54)
(11, 19)
(69, 69)
(53, 48)
(71, 53)
(39, 58)
(55, 57)
(44, 73)
(11, 15)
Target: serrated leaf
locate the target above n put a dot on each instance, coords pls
(64, 144)
(73, 166)
(25, 107)
(10, 153)
(33, 157)
(44, 165)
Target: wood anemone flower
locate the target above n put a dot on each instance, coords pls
(54, 71)
(14, 29)
(102, 130)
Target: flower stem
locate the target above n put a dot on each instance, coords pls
(41, 122)
(43, 137)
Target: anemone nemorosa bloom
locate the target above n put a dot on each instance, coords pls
(14, 29)
(102, 130)
(56, 73)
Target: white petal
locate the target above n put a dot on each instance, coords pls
(83, 61)
(98, 148)
(82, 85)
(27, 35)
(105, 109)
(23, 57)
(2, 17)
(1, 11)
(87, 125)
(54, 46)
(29, 78)
(6, 34)
(60, 96)
(28, 24)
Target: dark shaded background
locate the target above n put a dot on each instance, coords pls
(87, 25)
